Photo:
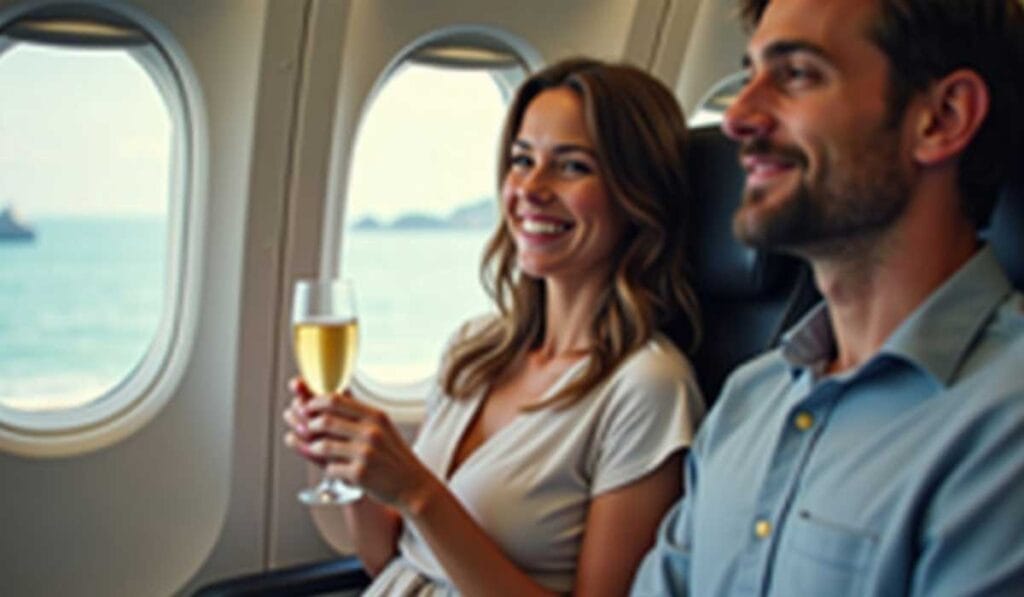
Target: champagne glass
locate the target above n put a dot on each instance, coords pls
(325, 335)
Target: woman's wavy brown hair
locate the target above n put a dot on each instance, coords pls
(640, 139)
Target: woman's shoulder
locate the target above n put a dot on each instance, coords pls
(657, 359)
(657, 375)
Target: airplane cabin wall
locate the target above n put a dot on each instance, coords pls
(139, 516)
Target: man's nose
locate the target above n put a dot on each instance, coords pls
(747, 116)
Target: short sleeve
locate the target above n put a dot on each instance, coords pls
(654, 409)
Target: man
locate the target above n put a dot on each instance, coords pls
(880, 450)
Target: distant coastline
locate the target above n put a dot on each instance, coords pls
(12, 228)
(477, 215)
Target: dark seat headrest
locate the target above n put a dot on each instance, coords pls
(1006, 230)
(725, 268)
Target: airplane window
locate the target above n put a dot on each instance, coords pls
(88, 140)
(715, 102)
(421, 205)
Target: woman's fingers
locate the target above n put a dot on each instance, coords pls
(295, 421)
(353, 441)
(328, 425)
(301, 446)
(343, 405)
(297, 386)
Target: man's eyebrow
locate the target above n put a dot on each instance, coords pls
(782, 48)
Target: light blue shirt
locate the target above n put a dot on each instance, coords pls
(904, 476)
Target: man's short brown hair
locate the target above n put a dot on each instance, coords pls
(927, 39)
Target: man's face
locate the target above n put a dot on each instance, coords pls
(824, 159)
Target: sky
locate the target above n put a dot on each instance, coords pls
(81, 132)
(428, 143)
(85, 132)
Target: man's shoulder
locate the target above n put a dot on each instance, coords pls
(1008, 322)
(997, 356)
(749, 380)
(750, 388)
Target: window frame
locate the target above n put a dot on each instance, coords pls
(405, 400)
(146, 388)
(712, 106)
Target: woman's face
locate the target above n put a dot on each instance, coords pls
(555, 202)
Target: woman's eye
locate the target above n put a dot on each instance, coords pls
(576, 167)
(521, 161)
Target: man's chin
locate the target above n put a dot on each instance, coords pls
(760, 227)
(750, 232)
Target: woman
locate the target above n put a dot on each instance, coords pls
(553, 441)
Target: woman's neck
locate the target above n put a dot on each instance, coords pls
(569, 314)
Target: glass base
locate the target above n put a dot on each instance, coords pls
(330, 492)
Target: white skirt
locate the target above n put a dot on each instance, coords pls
(401, 579)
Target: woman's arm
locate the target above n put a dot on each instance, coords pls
(364, 448)
(473, 561)
(621, 528)
(373, 527)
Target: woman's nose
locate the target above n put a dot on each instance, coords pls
(535, 187)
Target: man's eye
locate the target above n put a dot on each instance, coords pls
(796, 75)
(795, 72)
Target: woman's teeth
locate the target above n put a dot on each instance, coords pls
(542, 227)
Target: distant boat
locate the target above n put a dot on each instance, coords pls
(12, 228)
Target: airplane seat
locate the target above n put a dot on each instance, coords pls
(747, 296)
(1005, 232)
(337, 575)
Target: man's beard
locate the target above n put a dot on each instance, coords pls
(853, 200)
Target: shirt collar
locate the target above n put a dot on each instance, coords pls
(936, 336)
(810, 343)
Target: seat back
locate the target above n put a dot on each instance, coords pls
(747, 296)
(1006, 229)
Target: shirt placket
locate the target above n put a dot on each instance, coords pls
(802, 425)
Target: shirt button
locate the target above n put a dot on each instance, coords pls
(803, 421)
(762, 528)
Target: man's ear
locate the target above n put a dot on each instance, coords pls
(950, 112)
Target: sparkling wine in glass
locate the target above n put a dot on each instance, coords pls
(325, 335)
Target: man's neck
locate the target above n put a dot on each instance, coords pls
(871, 290)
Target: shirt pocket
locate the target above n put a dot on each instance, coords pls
(822, 556)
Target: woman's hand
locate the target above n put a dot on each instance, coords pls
(359, 445)
(298, 437)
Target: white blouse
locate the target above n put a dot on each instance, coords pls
(530, 484)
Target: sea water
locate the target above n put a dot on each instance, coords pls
(80, 305)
